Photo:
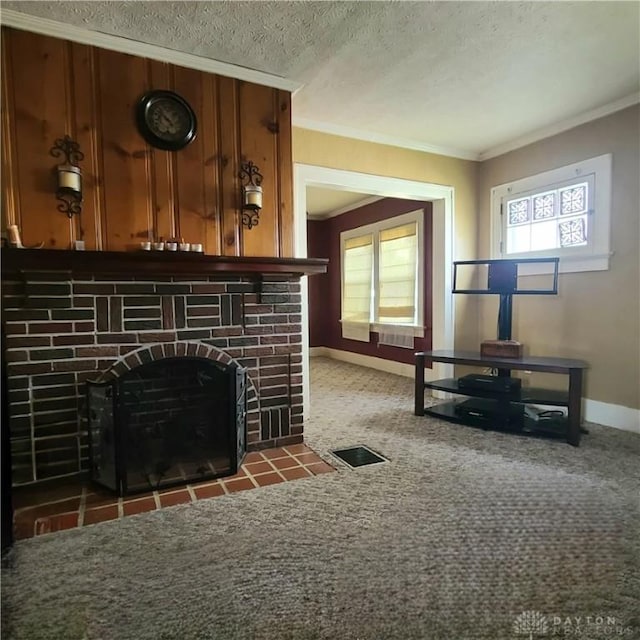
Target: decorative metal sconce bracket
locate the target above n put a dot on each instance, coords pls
(251, 193)
(250, 218)
(69, 176)
(69, 204)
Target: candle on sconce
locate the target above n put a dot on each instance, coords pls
(251, 193)
(253, 197)
(69, 178)
(13, 236)
(69, 175)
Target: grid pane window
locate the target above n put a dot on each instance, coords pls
(563, 212)
(573, 232)
(544, 206)
(544, 235)
(519, 239)
(573, 200)
(539, 221)
(519, 211)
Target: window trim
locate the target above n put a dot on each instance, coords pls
(375, 228)
(592, 257)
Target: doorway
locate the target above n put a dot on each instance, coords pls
(442, 199)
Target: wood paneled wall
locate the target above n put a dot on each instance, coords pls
(132, 191)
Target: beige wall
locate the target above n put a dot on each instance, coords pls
(596, 316)
(320, 149)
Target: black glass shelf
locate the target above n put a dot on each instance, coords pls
(530, 395)
(554, 428)
(563, 423)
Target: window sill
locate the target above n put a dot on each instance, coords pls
(567, 264)
(405, 329)
(417, 331)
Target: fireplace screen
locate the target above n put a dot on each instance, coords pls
(168, 422)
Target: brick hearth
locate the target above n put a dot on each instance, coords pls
(66, 504)
(62, 331)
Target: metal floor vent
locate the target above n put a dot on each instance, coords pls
(358, 456)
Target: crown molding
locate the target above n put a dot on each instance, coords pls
(378, 138)
(512, 145)
(559, 127)
(57, 29)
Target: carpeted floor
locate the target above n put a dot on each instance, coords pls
(456, 536)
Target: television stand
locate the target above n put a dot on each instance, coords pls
(505, 408)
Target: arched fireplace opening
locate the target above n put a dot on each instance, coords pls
(168, 422)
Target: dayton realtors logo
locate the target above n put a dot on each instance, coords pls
(533, 624)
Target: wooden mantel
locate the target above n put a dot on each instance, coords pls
(166, 263)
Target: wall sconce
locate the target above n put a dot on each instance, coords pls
(69, 175)
(251, 194)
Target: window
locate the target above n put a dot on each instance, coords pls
(382, 272)
(358, 278)
(561, 213)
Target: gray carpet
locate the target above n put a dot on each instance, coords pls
(461, 532)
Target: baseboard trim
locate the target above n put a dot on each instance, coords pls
(604, 413)
(388, 366)
(612, 415)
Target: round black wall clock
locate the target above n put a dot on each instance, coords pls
(166, 120)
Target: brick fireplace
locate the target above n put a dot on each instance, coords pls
(63, 328)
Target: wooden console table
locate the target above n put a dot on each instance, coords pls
(572, 398)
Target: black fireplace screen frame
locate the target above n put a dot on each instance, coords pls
(166, 423)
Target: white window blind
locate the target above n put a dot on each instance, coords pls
(358, 278)
(383, 276)
(397, 276)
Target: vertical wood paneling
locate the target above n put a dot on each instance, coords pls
(162, 169)
(258, 144)
(123, 79)
(211, 175)
(83, 116)
(10, 200)
(190, 162)
(285, 176)
(134, 192)
(67, 82)
(40, 118)
(228, 165)
(100, 188)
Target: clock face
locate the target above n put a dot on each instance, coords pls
(166, 120)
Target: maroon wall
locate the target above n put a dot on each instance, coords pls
(318, 247)
(324, 290)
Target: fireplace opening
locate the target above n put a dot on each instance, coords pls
(165, 423)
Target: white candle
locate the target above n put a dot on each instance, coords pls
(13, 234)
(253, 197)
(69, 178)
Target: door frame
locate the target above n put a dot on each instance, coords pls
(443, 202)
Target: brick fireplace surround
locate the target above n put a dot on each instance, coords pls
(64, 329)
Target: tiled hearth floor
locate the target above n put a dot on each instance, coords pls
(66, 506)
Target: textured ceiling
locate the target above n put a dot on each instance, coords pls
(467, 76)
(325, 203)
